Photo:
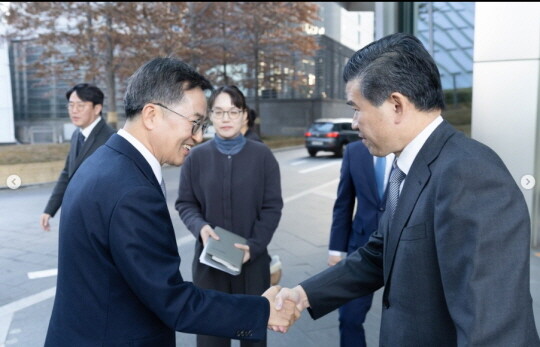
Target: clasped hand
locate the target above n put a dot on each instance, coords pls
(285, 306)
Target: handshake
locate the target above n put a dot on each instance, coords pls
(285, 306)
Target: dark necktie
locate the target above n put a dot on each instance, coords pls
(396, 177)
(380, 166)
(163, 189)
(80, 143)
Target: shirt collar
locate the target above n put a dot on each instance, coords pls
(409, 153)
(86, 131)
(154, 163)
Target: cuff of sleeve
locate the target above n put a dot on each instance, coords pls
(254, 251)
(337, 253)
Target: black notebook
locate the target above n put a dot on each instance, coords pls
(221, 254)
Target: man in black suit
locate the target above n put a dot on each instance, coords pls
(453, 245)
(118, 281)
(358, 207)
(85, 103)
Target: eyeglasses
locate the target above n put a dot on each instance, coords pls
(79, 106)
(233, 114)
(198, 124)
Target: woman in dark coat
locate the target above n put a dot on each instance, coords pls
(233, 183)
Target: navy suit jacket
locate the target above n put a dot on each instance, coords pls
(98, 136)
(118, 265)
(358, 182)
(454, 262)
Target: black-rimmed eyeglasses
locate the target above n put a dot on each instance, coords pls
(198, 124)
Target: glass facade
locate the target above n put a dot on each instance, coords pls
(447, 31)
(39, 97)
(35, 97)
(319, 76)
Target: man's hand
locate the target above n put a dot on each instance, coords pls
(44, 222)
(334, 259)
(206, 232)
(245, 248)
(296, 294)
(280, 320)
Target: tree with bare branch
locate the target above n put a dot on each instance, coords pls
(247, 43)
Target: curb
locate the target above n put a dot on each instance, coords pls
(290, 148)
(35, 174)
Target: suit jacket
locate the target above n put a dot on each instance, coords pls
(357, 182)
(99, 135)
(455, 259)
(118, 265)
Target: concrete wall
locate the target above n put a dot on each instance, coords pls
(32, 173)
(506, 103)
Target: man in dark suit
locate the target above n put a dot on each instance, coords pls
(453, 246)
(85, 103)
(118, 264)
(361, 184)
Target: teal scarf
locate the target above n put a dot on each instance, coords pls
(230, 146)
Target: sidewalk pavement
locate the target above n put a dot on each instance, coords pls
(303, 252)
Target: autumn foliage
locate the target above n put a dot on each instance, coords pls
(245, 43)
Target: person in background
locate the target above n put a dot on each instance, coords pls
(235, 184)
(362, 184)
(248, 126)
(85, 103)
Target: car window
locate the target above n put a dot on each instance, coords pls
(346, 126)
(321, 127)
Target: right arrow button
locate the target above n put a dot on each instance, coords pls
(528, 182)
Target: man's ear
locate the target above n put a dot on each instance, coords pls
(150, 115)
(400, 105)
(97, 109)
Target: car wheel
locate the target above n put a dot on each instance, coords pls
(312, 152)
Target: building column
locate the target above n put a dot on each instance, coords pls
(506, 102)
(7, 122)
(386, 19)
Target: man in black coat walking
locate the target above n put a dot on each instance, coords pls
(85, 103)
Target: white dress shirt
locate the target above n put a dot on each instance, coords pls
(154, 163)
(88, 130)
(409, 153)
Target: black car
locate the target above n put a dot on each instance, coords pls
(330, 134)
